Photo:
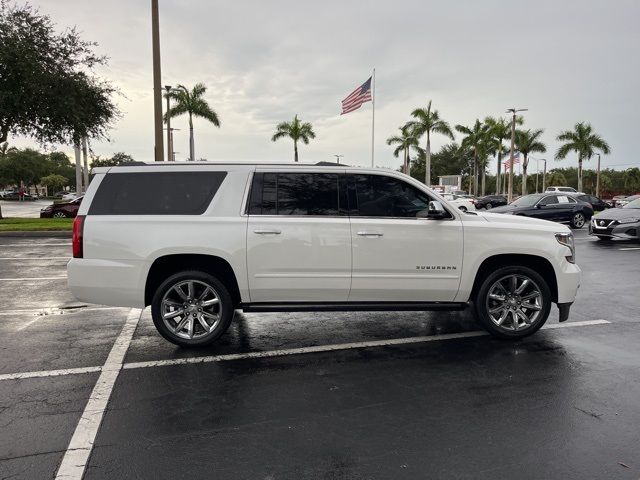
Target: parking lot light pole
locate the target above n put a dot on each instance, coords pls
(338, 157)
(544, 174)
(157, 83)
(513, 111)
(598, 178)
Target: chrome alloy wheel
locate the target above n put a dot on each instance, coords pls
(578, 220)
(191, 309)
(59, 215)
(514, 302)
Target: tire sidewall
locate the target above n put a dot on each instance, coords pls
(226, 313)
(483, 291)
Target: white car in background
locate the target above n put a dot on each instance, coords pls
(465, 204)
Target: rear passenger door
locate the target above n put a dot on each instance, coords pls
(298, 239)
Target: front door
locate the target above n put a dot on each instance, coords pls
(298, 244)
(398, 257)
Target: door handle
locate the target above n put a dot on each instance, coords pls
(267, 232)
(370, 234)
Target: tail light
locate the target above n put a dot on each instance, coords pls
(76, 241)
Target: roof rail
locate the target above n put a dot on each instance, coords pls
(331, 164)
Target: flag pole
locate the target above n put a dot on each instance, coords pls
(373, 114)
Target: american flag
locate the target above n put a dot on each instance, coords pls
(516, 160)
(356, 98)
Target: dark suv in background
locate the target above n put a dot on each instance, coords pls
(557, 207)
(491, 201)
(597, 203)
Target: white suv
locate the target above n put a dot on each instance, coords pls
(198, 240)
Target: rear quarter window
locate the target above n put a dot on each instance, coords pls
(156, 193)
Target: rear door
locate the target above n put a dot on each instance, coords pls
(298, 240)
(398, 257)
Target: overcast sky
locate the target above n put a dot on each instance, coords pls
(265, 61)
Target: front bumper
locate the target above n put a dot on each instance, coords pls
(613, 229)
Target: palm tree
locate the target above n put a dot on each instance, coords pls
(405, 141)
(500, 130)
(584, 142)
(295, 130)
(191, 102)
(428, 121)
(477, 140)
(528, 141)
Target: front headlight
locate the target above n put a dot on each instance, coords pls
(629, 220)
(566, 239)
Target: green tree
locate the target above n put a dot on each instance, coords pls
(426, 122)
(527, 142)
(556, 178)
(117, 159)
(53, 181)
(584, 142)
(404, 142)
(23, 166)
(500, 131)
(47, 88)
(297, 131)
(477, 140)
(193, 104)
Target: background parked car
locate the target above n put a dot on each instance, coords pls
(626, 200)
(490, 201)
(597, 203)
(463, 203)
(557, 207)
(561, 189)
(16, 196)
(618, 222)
(62, 209)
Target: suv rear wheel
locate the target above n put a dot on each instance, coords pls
(192, 308)
(577, 221)
(513, 302)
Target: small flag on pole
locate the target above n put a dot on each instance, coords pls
(356, 98)
(516, 160)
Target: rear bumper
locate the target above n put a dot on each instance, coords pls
(107, 282)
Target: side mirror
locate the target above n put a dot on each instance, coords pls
(435, 211)
(540, 205)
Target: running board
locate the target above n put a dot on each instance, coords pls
(352, 306)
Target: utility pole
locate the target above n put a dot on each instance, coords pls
(338, 157)
(544, 176)
(86, 165)
(513, 111)
(598, 178)
(169, 132)
(157, 83)
(538, 160)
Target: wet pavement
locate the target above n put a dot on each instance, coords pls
(404, 395)
(29, 209)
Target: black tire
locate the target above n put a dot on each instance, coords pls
(482, 303)
(225, 308)
(578, 220)
(489, 206)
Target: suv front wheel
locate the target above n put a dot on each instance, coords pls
(192, 308)
(513, 302)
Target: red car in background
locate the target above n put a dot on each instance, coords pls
(62, 210)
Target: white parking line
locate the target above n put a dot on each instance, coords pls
(77, 454)
(286, 352)
(49, 373)
(57, 311)
(338, 346)
(629, 248)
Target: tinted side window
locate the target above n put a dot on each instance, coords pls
(156, 193)
(382, 196)
(294, 194)
(550, 200)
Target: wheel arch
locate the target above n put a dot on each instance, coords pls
(167, 265)
(539, 264)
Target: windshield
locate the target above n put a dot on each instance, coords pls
(634, 204)
(526, 201)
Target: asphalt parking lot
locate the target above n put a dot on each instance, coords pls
(27, 209)
(94, 392)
